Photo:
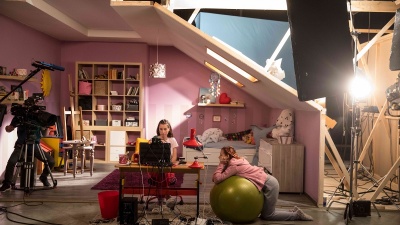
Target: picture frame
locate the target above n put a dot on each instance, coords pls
(20, 92)
(216, 118)
(205, 96)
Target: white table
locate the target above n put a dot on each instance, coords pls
(78, 148)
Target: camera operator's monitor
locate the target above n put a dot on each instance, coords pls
(155, 154)
(3, 111)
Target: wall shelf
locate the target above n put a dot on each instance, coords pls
(9, 77)
(239, 105)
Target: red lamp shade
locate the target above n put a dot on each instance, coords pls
(195, 164)
(192, 142)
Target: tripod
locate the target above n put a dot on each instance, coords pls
(26, 162)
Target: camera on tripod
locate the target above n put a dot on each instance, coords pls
(32, 114)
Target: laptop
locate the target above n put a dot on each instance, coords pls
(155, 154)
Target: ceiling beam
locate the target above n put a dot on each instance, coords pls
(372, 31)
(356, 6)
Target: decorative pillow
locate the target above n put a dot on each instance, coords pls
(260, 132)
(238, 136)
(211, 135)
(284, 124)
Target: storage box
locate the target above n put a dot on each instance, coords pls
(131, 123)
(100, 122)
(132, 107)
(116, 123)
(85, 123)
(100, 87)
(116, 107)
(101, 107)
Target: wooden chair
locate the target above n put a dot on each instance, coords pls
(79, 147)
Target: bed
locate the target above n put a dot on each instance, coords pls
(212, 150)
(213, 140)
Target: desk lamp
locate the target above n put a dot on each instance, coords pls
(193, 143)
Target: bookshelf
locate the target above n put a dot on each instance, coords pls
(111, 97)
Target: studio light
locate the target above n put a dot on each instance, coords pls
(360, 87)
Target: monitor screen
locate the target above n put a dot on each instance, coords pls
(157, 154)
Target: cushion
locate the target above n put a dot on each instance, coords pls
(284, 124)
(238, 136)
(260, 132)
(211, 135)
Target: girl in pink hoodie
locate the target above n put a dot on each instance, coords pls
(231, 164)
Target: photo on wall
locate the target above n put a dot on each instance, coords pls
(18, 93)
(205, 96)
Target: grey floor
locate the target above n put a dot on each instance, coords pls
(73, 202)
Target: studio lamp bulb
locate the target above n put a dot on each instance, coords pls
(360, 87)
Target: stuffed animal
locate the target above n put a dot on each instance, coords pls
(284, 124)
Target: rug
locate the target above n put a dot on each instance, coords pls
(132, 179)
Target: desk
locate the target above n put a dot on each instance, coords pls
(78, 146)
(166, 190)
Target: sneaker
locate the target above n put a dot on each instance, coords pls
(5, 187)
(295, 209)
(44, 180)
(302, 216)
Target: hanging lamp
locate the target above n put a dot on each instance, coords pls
(157, 70)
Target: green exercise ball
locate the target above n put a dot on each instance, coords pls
(236, 200)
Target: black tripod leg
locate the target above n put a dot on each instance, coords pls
(17, 168)
(46, 164)
(28, 167)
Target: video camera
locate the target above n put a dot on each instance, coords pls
(30, 113)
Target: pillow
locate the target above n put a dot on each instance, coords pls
(211, 135)
(260, 132)
(238, 136)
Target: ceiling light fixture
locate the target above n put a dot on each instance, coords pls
(213, 68)
(157, 70)
(231, 65)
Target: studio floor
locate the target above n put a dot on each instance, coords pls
(73, 202)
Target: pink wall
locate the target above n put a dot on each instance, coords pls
(178, 94)
(20, 46)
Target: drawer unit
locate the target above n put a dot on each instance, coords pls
(285, 162)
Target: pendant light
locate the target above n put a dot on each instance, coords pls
(157, 70)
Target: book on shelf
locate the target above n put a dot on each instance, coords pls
(82, 74)
(129, 92)
(136, 91)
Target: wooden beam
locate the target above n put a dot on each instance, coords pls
(374, 40)
(193, 16)
(372, 31)
(356, 6)
(373, 6)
